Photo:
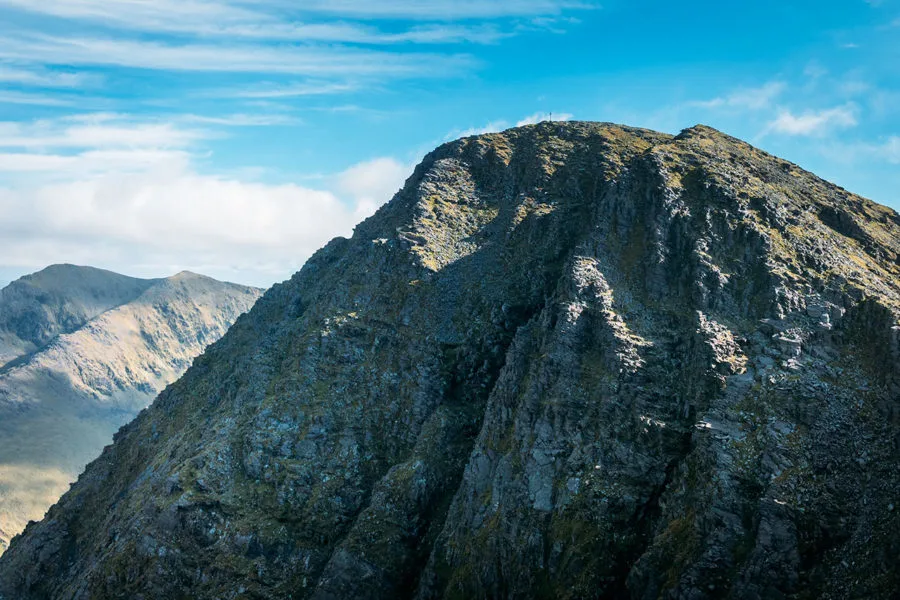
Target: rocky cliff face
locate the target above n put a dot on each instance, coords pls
(102, 347)
(565, 361)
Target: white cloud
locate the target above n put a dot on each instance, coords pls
(97, 132)
(492, 127)
(170, 220)
(243, 120)
(542, 116)
(372, 183)
(814, 70)
(112, 191)
(813, 122)
(855, 152)
(291, 90)
(884, 103)
(444, 9)
(10, 97)
(854, 87)
(747, 98)
(892, 149)
(279, 21)
(141, 14)
(43, 78)
(52, 167)
(446, 34)
(357, 34)
(501, 124)
(297, 60)
(150, 10)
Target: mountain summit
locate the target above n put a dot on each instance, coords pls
(84, 351)
(570, 360)
(59, 299)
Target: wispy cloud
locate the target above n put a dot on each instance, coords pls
(884, 102)
(492, 127)
(153, 15)
(555, 24)
(445, 34)
(90, 145)
(746, 98)
(53, 167)
(243, 120)
(811, 123)
(544, 116)
(892, 149)
(296, 60)
(290, 90)
(274, 21)
(501, 124)
(444, 9)
(105, 142)
(856, 152)
(854, 87)
(814, 71)
(43, 78)
(151, 10)
(97, 132)
(12, 97)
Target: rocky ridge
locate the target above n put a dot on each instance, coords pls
(101, 346)
(572, 360)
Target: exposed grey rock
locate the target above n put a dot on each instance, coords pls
(577, 361)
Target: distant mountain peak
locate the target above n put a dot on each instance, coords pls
(188, 275)
(59, 299)
(87, 349)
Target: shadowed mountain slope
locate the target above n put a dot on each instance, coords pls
(569, 360)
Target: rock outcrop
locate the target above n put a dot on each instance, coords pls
(566, 361)
(100, 346)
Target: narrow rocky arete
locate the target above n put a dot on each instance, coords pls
(571, 360)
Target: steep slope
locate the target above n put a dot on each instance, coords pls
(61, 404)
(59, 299)
(566, 361)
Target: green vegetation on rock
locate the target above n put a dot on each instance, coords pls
(569, 360)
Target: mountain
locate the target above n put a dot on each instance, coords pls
(91, 349)
(570, 360)
(36, 308)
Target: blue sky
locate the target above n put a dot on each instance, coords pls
(234, 137)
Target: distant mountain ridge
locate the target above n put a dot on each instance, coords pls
(82, 351)
(59, 299)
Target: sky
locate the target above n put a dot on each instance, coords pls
(235, 137)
